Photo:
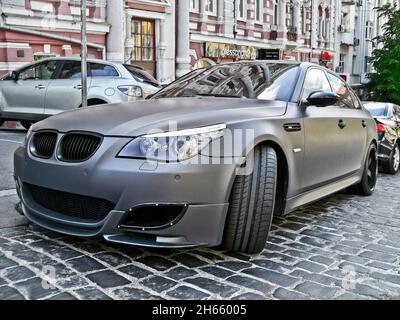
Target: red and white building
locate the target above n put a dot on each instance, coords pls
(170, 37)
(33, 29)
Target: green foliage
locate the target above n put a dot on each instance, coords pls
(385, 81)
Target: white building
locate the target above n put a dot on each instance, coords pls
(357, 25)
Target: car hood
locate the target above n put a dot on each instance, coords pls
(168, 114)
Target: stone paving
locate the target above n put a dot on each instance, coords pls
(343, 247)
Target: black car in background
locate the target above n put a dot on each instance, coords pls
(387, 117)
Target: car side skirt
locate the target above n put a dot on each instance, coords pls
(322, 192)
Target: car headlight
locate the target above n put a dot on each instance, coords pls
(131, 91)
(172, 146)
(27, 137)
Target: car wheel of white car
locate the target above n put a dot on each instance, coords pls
(252, 203)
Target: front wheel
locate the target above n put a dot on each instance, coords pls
(366, 186)
(393, 164)
(252, 203)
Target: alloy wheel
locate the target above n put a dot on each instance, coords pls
(396, 158)
(372, 171)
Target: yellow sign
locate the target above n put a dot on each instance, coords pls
(232, 51)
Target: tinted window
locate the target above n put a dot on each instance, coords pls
(315, 81)
(71, 70)
(102, 70)
(250, 80)
(41, 71)
(347, 97)
(377, 109)
(141, 75)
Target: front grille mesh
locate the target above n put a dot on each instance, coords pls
(44, 144)
(78, 147)
(70, 204)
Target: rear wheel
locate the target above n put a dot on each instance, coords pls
(368, 183)
(26, 124)
(393, 164)
(252, 203)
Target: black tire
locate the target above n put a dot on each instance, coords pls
(252, 203)
(366, 186)
(26, 124)
(392, 165)
(1, 122)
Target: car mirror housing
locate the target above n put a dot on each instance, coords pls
(14, 75)
(322, 98)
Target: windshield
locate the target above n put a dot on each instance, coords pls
(141, 75)
(377, 109)
(237, 80)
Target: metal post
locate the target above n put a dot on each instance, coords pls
(84, 54)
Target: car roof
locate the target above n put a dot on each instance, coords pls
(76, 59)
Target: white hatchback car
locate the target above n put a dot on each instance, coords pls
(51, 86)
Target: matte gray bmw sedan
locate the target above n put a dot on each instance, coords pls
(208, 160)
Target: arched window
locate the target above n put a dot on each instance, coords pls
(276, 12)
(320, 24)
(326, 24)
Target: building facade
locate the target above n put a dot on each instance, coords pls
(228, 30)
(34, 29)
(169, 38)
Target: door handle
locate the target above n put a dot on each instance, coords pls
(78, 87)
(40, 87)
(342, 124)
(364, 123)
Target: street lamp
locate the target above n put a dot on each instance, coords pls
(84, 54)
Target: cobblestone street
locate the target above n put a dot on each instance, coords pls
(343, 247)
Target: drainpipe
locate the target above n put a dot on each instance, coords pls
(51, 36)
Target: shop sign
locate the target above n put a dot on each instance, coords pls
(269, 54)
(229, 51)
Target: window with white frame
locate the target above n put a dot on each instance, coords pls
(241, 9)
(303, 20)
(258, 10)
(194, 5)
(211, 7)
(341, 63)
(290, 14)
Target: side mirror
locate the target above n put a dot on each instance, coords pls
(322, 99)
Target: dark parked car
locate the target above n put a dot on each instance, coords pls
(198, 180)
(387, 117)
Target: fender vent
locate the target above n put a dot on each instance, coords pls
(292, 127)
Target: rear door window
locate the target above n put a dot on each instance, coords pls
(71, 70)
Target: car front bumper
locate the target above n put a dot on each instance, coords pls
(130, 183)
